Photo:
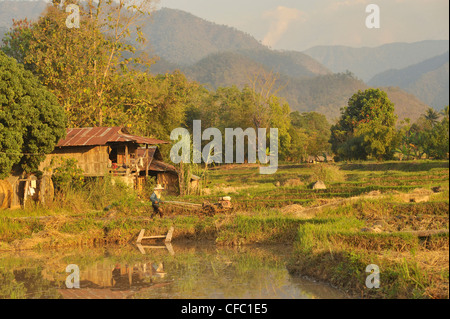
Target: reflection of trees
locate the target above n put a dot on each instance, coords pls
(231, 273)
(26, 283)
(9, 288)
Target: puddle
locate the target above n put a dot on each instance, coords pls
(154, 272)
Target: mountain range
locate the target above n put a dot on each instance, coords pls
(428, 80)
(320, 79)
(304, 81)
(368, 62)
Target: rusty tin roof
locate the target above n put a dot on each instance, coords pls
(91, 136)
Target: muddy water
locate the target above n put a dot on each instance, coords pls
(177, 271)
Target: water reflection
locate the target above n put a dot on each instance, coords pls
(182, 272)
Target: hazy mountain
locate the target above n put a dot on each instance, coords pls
(183, 38)
(326, 94)
(3, 30)
(10, 10)
(224, 69)
(367, 62)
(428, 80)
(218, 55)
(406, 105)
(291, 63)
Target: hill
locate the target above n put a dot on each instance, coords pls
(10, 10)
(406, 104)
(428, 80)
(224, 69)
(218, 55)
(228, 68)
(326, 94)
(182, 38)
(3, 30)
(291, 63)
(367, 62)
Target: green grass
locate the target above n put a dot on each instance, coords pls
(330, 246)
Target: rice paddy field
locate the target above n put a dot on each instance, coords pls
(392, 214)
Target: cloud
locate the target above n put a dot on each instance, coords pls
(280, 18)
(336, 5)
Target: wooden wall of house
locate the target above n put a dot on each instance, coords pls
(15, 190)
(169, 181)
(92, 160)
(126, 153)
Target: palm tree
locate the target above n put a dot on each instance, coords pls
(432, 116)
(444, 112)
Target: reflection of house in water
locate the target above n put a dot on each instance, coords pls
(102, 281)
(135, 277)
(98, 151)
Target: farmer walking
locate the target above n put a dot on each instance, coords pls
(156, 200)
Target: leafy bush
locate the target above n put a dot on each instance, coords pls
(67, 174)
(31, 120)
(327, 173)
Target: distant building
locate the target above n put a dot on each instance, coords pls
(320, 159)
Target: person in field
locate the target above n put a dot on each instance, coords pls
(156, 201)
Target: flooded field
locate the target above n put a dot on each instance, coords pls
(178, 271)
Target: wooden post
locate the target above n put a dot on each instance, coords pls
(169, 235)
(188, 186)
(148, 162)
(141, 235)
(181, 179)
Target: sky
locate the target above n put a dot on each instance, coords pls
(301, 24)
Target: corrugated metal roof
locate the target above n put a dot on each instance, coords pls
(160, 166)
(153, 152)
(91, 136)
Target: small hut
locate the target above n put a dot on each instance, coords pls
(111, 150)
(98, 151)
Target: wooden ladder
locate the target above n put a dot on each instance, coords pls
(168, 237)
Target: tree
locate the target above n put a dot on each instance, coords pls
(436, 141)
(82, 66)
(427, 136)
(155, 105)
(366, 127)
(299, 144)
(432, 116)
(315, 129)
(31, 119)
(444, 112)
(17, 41)
(231, 107)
